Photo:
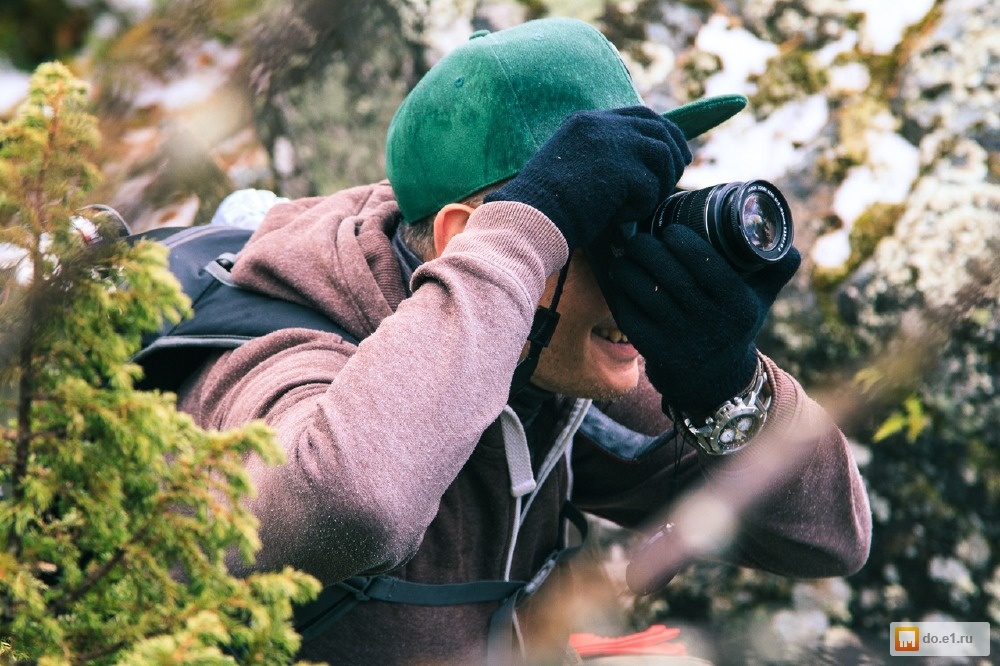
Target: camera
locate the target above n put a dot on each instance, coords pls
(748, 223)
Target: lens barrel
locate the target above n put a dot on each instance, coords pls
(749, 223)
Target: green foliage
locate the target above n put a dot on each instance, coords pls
(839, 336)
(697, 69)
(854, 119)
(791, 75)
(117, 511)
(934, 478)
(877, 222)
(885, 69)
(911, 418)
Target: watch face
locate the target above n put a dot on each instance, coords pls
(736, 432)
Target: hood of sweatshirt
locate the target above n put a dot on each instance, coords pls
(333, 254)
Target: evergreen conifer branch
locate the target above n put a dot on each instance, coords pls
(117, 513)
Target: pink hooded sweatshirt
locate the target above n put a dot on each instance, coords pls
(395, 448)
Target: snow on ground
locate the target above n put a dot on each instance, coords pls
(741, 54)
(209, 67)
(13, 89)
(886, 177)
(885, 22)
(744, 149)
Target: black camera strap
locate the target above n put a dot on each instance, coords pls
(542, 327)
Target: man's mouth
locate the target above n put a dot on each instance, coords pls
(612, 334)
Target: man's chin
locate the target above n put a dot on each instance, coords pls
(600, 383)
(601, 391)
(607, 394)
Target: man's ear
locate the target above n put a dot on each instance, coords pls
(449, 221)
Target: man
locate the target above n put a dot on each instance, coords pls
(443, 447)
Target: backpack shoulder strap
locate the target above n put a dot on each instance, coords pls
(336, 600)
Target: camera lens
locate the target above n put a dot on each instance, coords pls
(748, 223)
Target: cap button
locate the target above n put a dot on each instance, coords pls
(479, 33)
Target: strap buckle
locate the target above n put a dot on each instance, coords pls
(540, 576)
(360, 592)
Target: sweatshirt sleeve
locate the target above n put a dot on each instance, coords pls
(374, 435)
(793, 502)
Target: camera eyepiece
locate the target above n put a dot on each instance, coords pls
(749, 223)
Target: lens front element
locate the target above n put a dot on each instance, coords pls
(754, 224)
(760, 222)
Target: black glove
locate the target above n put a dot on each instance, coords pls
(692, 316)
(601, 167)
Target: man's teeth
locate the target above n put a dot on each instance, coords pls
(612, 334)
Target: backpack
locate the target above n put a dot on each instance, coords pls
(201, 258)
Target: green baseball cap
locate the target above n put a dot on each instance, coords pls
(485, 109)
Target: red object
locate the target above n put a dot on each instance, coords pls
(654, 640)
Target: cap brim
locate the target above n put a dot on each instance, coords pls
(702, 115)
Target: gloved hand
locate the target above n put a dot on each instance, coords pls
(601, 167)
(692, 316)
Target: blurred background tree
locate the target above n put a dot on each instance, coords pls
(34, 31)
(116, 511)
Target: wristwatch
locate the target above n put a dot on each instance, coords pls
(735, 422)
